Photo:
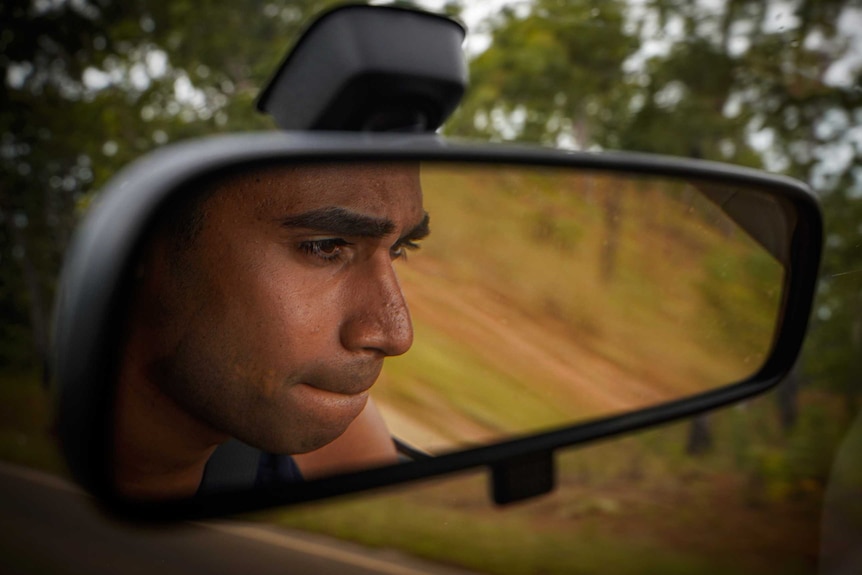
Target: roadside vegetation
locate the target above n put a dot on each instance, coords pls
(526, 321)
(771, 85)
(634, 505)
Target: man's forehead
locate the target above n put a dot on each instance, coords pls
(374, 188)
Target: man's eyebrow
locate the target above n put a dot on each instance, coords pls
(336, 220)
(419, 231)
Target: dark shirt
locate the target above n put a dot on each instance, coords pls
(274, 469)
(235, 466)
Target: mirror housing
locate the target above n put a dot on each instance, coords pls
(368, 85)
(100, 263)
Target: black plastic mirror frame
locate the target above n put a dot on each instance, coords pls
(425, 78)
(99, 260)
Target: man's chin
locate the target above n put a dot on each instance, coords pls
(323, 417)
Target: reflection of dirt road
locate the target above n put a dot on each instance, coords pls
(540, 359)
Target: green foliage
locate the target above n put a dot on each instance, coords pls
(560, 72)
(637, 504)
(552, 73)
(501, 542)
(26, 426)
(833, 355)
(800, 465)
(87, 87)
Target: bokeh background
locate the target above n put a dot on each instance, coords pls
(87, 86)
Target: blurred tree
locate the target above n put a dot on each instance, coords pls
(552, 75)
(87, 87)
(834, 350)
(43, 156)
(699, 437)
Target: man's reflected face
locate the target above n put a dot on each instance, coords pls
(273, 323)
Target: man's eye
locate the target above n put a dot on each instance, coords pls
(399, 251)
(329, 249)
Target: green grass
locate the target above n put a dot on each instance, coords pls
(495, 542)
(633, 505)
(26, 423)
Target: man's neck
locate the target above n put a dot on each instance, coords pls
(160, 450)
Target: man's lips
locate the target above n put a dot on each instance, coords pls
(340, 389)
(357, 381)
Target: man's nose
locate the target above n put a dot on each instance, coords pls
(379, 320)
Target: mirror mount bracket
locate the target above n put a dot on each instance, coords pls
(523, 477)
(370, 69)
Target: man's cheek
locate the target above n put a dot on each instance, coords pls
(270, 383)
(317, 308)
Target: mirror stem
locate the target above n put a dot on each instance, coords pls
(522, 477)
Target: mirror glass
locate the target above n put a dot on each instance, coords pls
(471, 302)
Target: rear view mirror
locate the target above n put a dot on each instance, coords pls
(495, 303)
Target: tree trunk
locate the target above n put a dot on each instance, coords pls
(613, 208)
(699, 436)
(787, 400)
(38, 315)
